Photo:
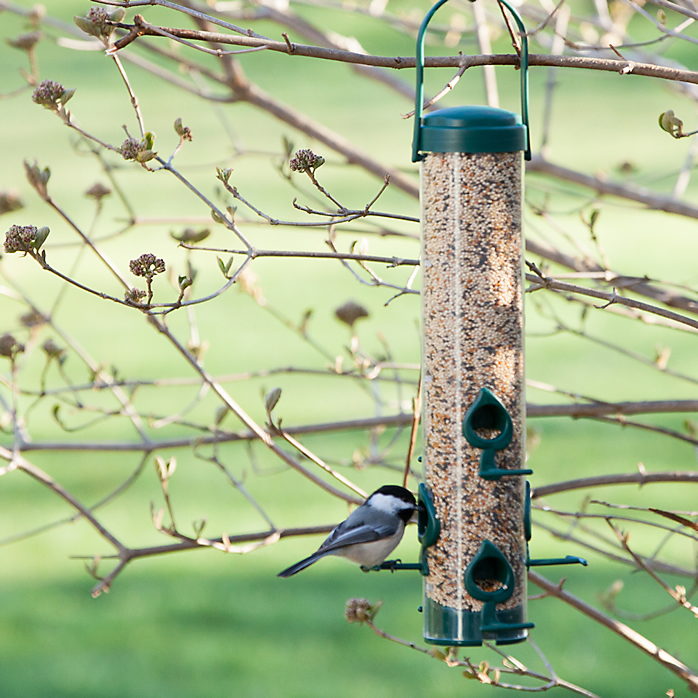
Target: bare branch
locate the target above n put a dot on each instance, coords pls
(639, 478)
(400, 62)
(642, 643)
(680, 598)
(609, 188)
(44, 479)
(546, 282)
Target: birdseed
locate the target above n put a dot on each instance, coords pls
(472, 310)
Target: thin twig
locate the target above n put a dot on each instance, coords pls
(642, 643)
(416, 412)
(542, 281)
(680, 598)
(318, 461)
(639, 478)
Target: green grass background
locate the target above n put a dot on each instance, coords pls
(204, 624)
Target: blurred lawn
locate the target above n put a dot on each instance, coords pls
(230, 627)
(204, 624)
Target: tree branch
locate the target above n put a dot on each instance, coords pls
(639, 478)
(601, 185)
(662, 656)
(400, 62)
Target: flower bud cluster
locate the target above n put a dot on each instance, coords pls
(98, 191)
(52, 95)
(26, 238)
(10, 347)
(306, 161)
(147, 265)
(53, 351)
(99, 16)
(130, 148)
(20, 238)
(10, 201)
(350, 312)
(32, 319)
(361, 611)
(25, 42)
(140, 151)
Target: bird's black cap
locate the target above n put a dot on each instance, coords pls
(399, 492)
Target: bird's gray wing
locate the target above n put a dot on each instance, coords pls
(362, 533)
(340, 537)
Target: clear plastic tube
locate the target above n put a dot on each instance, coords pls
(472, 311)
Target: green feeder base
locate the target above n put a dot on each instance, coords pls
(450, 627)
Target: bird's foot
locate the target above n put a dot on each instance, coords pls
(391, 565)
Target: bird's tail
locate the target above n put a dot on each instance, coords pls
(294, 569)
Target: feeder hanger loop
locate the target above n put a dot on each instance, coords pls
(476, 134)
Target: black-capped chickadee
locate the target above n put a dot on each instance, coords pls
(370, 533)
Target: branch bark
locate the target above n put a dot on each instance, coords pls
(642, 643)
(601, 185)
(402, 62)
(639, 478)
(396, 420)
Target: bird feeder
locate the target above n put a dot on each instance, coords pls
(476, 522)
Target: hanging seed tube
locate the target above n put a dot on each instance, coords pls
(473, 369)
(472, 339)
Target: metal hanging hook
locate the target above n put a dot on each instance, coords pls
(419, 100)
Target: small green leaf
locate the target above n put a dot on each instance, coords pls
(191, 235)
(199, 527)
(671, 124)
(225, 267)
(594, 217)
(67, 94)
(218, 218)
(40, 237)
(271, 400)
(303, 327)
(161, 468)
(87, 25)
(221, 412)
(156, 516)
(145, 155)
(223, 173)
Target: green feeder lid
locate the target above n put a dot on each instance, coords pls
(472, 129)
